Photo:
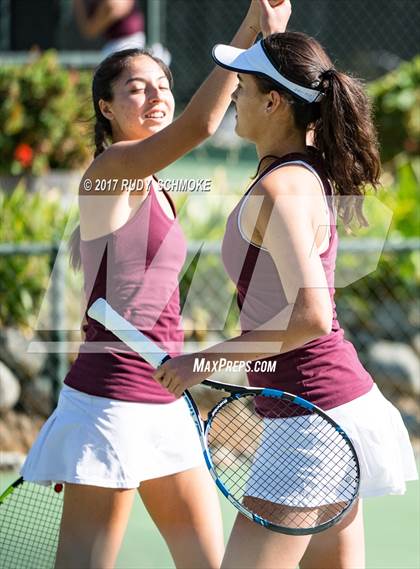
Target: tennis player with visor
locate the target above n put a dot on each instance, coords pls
(312, 128)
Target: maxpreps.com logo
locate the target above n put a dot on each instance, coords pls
(201, 365)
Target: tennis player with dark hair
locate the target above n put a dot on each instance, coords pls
(115, 430)
(280, 248)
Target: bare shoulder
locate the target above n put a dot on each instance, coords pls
(293, 179)
(103, 204)
(292, 191)
(106, 171)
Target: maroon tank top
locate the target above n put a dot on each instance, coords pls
(130, 24)
(136, 269)
(326, 371)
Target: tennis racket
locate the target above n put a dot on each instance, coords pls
(30, 516)
(279, 459)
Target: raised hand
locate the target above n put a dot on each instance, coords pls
(274, 16)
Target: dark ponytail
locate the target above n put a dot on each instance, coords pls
(103, 134)
(104, 77)
(346, 137)
(341, 122)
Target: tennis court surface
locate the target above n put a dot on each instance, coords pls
(392, 533)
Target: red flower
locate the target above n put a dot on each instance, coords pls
(23, 154)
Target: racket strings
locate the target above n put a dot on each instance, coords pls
(285, 464)
(233, 447)
(331, 440)
(233, 437)
(29, 527)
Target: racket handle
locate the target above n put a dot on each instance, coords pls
(103, 313)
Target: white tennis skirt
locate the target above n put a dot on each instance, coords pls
(381, 441)
(114, 444)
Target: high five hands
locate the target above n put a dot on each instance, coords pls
(269, 16)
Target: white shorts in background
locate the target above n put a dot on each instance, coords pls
(378, 434)
(114, 444)
(138, 39)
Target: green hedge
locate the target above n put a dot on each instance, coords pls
(396, 98)
(24, 279)
(45, 111)
(44, 117)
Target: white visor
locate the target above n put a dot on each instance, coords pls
(254, 60)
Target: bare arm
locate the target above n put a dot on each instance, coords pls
(199, 120)
(286, 221)
(107, 12)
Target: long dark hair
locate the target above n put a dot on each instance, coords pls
(105, 75)
(342, 123)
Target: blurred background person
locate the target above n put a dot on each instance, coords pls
(120, 22)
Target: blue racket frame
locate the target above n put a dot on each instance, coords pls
(236, 392)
